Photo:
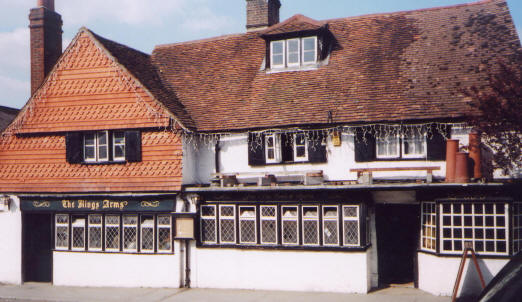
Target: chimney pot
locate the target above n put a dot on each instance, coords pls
(49, 4)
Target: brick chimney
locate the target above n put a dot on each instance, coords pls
(46, 41)
(262, 14)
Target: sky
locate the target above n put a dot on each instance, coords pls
(143, 24)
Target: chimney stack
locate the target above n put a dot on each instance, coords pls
(262, 14)
(46, 41)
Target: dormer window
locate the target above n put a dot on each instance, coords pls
(293, 52)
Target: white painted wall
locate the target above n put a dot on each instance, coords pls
(11, 243)
(437, 275)
(117, 270)
(344, 272)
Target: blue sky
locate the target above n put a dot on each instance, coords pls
(142, 24)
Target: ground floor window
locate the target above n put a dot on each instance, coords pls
(284, 225)
(451, 225)
(517, 227)
(129, 233)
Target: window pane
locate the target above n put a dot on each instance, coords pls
(102, 152)
(95, 232)
(310, 225)
(164, 233)
(62, 231)
(289, 220)
(309, 43)
(309, 50)
(89, 152)
(227, 224)
(112, 232)
(278, 53)
(130, 233)
(293, 51)
(119, 152)
(102, 138)
(268, 224)
(247, 225)
(89, 139)
(119, 138)
(277, 59)
(78, 232)
(300, 151)
(147, 233)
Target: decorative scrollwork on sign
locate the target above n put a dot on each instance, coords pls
(150, 204)
(41, 204)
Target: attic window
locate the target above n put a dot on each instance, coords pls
(293, 52)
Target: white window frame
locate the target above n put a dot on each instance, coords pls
(126, 228)
(78, 222)
(147, 224)
(303, 50)
(276, 148)
(161, 226)
(417, 154)
(229, 218)
(85, 146)
(97, 145)
(91, 226)
(272, 65)
(302, 158)
(351, 218)
(386, 141)
(428, 240)
(112, 225)
(330, 219)
(286, 219)
(67, 232)
(287, 52)
(484, 228)
(114, 145)
(268, 218)
(245, 218)
(310, 219)
(209, 217)
(517, 227)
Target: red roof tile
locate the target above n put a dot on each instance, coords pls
(294, 24)
(387, 67)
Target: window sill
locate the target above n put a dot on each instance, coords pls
(103, 163)
(287, 163)
(402, 159)
(113, 253)
(308, 67)
(286, 247)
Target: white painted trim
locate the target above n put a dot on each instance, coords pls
(272, 65)
(298, 52)
(303, 50)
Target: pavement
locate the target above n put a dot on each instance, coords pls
(42, 292)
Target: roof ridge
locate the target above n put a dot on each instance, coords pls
(98, 37)
(480, 2)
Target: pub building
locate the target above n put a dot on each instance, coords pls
(301, 155)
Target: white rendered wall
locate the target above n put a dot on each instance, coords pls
(437, 275)
(116, 270)
(344, 272)
(11, 244)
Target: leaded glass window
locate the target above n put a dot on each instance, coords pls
(130, 233)
(330, 225)
(517, 227)
(351, 225)
(62, 231)
(227, 224)
(247, 225)
(95, 232)
(208, 224)
(290, 225)
(429, 226)
(147, 233)
(78, 232)
(310, 225)
(112, 233)
(268, 224)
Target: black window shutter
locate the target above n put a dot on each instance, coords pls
(364, 146)
(287, 147)
(316, 148)
(256, 149)
(133, 146)
(436, 143)
(74, 147)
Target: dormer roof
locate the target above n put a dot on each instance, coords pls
(297, 23)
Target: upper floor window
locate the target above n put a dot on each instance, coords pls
(411, 145)
(275, 148)
(293, 52)
(103, 146)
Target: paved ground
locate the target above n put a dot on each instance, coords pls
(48, 293)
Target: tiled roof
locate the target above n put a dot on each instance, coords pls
(294, 24)
(6, 116)
(139, 65)
(386, 67)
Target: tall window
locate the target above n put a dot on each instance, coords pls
(95, 232)
(208, 224)
(351, 225)
(269, 224)
(112, 233)
(147, 233)
(331, 225)
(310, 225)
(78, 232)
(118, 145)
(130, 233)
(62, 232)
(293, 52)
(300, 147)
(482, 224)
(227, 224)
(96, 146)
(273, 148)
(247, 225)
(164, 233)
(429, 226)
(517, 227)
(290, 225)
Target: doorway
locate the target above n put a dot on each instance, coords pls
(37, 247)
(398, 228)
